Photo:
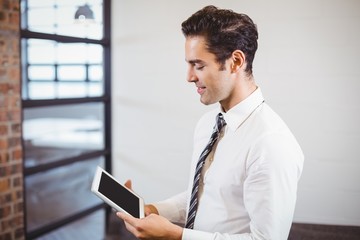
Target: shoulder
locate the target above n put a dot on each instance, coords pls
(274, 141)
(267, 121)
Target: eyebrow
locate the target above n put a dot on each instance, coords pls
(195, 61)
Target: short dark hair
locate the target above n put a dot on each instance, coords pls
(224, 31)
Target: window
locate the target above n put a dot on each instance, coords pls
(66, 104)
(60, 132)
(63, 70)
(58, 17)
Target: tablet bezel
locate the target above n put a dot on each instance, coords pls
(95, 189)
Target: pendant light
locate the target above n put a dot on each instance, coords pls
(84, 13)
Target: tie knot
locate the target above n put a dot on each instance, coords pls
(220, 121)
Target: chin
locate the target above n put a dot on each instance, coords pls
(207, 102)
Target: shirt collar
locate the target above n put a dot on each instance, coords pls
(240, 112)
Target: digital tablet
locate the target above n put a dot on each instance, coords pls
(116, 194)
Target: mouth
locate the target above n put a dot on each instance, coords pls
(201, 90)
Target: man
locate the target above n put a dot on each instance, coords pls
(244, 184)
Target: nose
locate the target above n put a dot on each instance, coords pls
(191, 76)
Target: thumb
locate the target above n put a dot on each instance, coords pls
(128, 184)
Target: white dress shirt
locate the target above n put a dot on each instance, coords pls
(249, 190)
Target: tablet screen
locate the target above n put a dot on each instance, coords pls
(119, 195)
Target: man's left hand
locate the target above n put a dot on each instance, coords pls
(152, 227)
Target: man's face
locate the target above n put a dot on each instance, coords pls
(213, 85)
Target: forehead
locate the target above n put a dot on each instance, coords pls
(195, 49)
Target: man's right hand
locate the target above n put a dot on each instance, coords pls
(149, 208)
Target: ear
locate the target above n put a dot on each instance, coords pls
(238, 61)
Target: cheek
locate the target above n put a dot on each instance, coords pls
(220, 81)
(211, 79)
(216, 81)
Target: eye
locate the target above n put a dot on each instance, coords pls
(199, 67)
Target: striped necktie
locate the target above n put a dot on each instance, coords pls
(220, 123)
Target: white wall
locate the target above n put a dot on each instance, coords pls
(307, 66)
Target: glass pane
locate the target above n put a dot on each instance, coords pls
(41, 73)
(59, 193)
(72, 53)
(95, 54)
(95, 73)
(71, 73)
(42, 90)
(40, 51)
(41, 3)
(58, 17)
(58, 132)
(95, 89)
(49, 60)
(43, 19)
(90, 227)
(72, 90)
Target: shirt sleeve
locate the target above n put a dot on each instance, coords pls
(273, 170)
(174, 208)
(189, 234)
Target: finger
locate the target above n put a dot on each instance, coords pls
(147, 211)
(128, 226)
(127, 218)
(128, 184)
(149, 208)
(130, 222)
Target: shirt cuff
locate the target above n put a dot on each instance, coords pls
(174, 208)
(189, 234)
(167, 210)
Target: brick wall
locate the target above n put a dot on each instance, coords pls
(11, 178)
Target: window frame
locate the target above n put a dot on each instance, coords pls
(105, 42)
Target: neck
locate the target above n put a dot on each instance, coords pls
(244, 87)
